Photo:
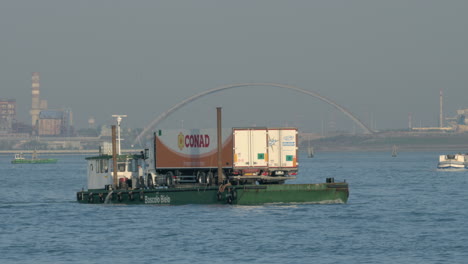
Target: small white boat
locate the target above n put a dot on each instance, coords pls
(453, 161)
(394, 151)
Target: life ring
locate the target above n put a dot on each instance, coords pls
(101, 197)
(130, 196)
(119, 197)
(90, 197)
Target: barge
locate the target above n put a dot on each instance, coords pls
(249, 166)
(321, 193)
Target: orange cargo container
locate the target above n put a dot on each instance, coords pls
(192, 153)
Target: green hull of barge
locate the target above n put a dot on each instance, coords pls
(322, 193)
(33, 161)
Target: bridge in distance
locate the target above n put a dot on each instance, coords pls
(151, 126)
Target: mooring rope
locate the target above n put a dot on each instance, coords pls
(223, 186)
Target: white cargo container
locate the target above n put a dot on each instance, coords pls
(269, 151)
(250, 148)
(282, 151)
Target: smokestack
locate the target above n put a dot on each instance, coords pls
(220, 147)
(441, 113)
(410, 121)
(35, 104)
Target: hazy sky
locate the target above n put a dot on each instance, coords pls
(379, 59)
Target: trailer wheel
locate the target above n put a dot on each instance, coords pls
(198, 177)
(202, 177)
(169, 176)
(209, 178)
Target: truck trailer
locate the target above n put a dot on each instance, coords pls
(263, 155)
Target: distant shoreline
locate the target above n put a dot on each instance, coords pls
(62, 151)
(445, 143)
(448, 149)
(379, 142)
(443, 149)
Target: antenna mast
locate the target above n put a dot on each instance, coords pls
(119, 119)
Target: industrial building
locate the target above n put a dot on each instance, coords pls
(7, 115)
(55, 123)
(44, 121)
(459, 122)
(37, 105)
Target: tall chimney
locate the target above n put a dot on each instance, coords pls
(441, 112)
(410, 121)
(35, 104)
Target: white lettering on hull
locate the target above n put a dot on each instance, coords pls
(158, 199)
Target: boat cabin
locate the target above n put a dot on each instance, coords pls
(19, 156)
(453, 161)
(100, 171)
(453, 157)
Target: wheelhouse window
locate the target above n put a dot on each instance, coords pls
(135, 165)
(130, 165)
(121, 167)
(104, 166)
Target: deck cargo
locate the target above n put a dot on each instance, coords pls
(282, 150)
(191, 149)
(247, 153)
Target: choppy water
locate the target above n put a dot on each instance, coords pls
(400, 210)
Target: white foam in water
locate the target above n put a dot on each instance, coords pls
(107, 200)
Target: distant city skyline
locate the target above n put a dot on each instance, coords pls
(329, 126)
(381, 61)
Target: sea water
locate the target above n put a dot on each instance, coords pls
(400, 210)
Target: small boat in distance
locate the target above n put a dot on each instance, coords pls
(394, 151)
(453, 161)
(310, 150)
(20, 159)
